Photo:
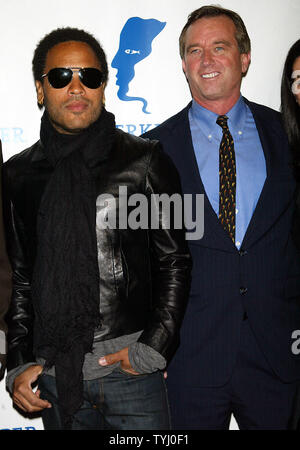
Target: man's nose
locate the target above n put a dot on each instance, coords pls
(207, 57)
(75, 87)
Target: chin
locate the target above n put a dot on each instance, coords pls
(64, 128)
(74, 124)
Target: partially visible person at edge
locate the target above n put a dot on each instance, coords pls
(95, 310)
(236, 355)
(5, 282)
(290, 108)
(290, 100)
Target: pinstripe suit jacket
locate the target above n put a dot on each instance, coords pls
(262, 279)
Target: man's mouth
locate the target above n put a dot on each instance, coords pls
(77, 106)
(210, 75)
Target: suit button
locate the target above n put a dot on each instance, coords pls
(243, 290)
(243, 252)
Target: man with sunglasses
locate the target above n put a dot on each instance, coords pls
(95, 310)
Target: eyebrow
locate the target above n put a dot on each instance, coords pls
(228, 43)
(224, 42)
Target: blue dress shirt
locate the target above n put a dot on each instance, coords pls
(249, 155)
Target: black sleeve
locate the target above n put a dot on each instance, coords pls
(20, 313)
(171, 260)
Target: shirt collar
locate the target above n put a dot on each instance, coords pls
(236, 115)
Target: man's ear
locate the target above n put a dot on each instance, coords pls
(103, 97)
(245, 60)
(39, 93)
(184, 67)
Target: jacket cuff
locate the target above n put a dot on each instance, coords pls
(145, 359)
(12, 374)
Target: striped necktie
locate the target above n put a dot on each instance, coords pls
(227, 174)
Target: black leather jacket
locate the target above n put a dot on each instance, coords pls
(145, 274)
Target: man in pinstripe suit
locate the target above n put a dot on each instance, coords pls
(236, 355)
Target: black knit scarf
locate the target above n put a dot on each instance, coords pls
(65, 284)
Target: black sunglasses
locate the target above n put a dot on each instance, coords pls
(60, 77)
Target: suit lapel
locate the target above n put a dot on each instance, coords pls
(276, 193)
(279, 185)
(185, 160)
